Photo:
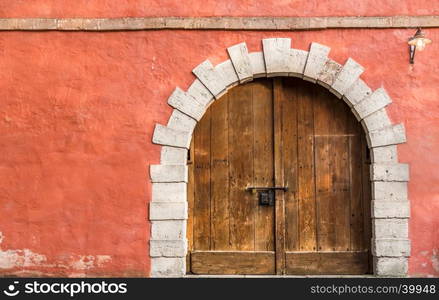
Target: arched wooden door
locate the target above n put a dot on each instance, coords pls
(299, 138)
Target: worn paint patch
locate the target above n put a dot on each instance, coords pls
(20, 258)
(87, 262)
(12, 259)
(435, 260)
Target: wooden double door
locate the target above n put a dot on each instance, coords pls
(298, 138)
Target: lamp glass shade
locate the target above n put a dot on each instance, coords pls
(419, 40)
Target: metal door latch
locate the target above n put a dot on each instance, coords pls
(266, 198)
(266, 195)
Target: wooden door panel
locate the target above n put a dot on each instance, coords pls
(263, 161)
(327, 263)
(219, 186)
(299, 171)
(341, 174)
(306, 170)
(234, 152)
(289, 139)
(202, 182)
(328, 189)
(325, 198)
(232, 263)
(241, 168)
(279, 132)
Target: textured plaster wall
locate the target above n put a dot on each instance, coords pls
(77, 112)
(131, 8)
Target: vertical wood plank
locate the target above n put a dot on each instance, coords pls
(263, 160)
(323, 124)
(202, 221)
(290, 162)
(355, 170)
(279, 177)
(243, 203)
(306, 170)
(220, 174)
(340, 176)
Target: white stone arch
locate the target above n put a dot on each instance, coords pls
(390, 205)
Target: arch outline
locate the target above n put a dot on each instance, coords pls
(390, 205)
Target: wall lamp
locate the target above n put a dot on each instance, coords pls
(417, 42)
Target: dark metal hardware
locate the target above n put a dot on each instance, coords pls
(412, 51)
(266, 195)
(266, 198)
(260, 188)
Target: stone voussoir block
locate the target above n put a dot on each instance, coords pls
(317, 57)
(376, 101)
(391, 266)
(356, 93)
(391, 247)
(389, 190)
(297, 62)
(168, 230)
(376, 120)
(229, 74)
(169, 192)
(350, 72)
(390, 228)
(384, 209)
(387, 154)
(389, 172)
(276, 56)
(200, 93)
(391, 135)
(168, 211)
(167, 248)
(173, 156)
(168, 266)
(328, 73)
(166, 136)
(212, 79)
(169, 173)
(258, 64)
(182, 122)
(241, 62)
(186, 104)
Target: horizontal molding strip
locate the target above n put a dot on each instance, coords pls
(216, 23)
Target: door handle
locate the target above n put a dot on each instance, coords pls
(266, 195)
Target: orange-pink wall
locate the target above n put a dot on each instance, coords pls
(133, 8)
(77, 112)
